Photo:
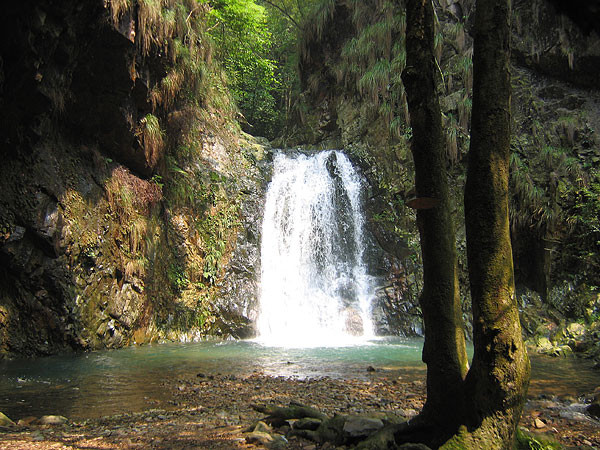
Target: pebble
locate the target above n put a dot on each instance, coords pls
(538, 423)
(52, 420)
(37, 436)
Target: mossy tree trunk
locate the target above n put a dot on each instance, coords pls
(498, 379)
(483, 411)
(444, 350)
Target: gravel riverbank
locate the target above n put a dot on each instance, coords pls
(214, 412)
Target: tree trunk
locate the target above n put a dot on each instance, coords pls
(444, 350)
(498, 379)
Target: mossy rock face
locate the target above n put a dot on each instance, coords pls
(561, 350)
(543, 345)
(547, 331)
(575, 330)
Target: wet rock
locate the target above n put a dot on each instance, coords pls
(237, 305)
(560, 350)
(574, 415)
(259, 437)
(357, 426)
(307, 423)
(26, 421)
(594, 409)
(543, 345)
(262, 427)
(575, 330)
(125, 304)
(5, 421)
(407, 412)
(52, 420)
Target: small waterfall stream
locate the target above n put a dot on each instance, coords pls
(315, 288)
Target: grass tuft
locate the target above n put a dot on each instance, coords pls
(151, 139)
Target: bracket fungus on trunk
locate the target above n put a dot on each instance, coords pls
(423, 202)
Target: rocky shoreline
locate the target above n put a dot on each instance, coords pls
(215, 412)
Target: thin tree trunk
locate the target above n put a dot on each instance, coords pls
(498, 379)
(444, 350)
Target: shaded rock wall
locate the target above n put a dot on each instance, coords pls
(100, 243)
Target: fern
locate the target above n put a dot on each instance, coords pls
(374, 81)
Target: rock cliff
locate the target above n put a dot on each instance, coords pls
(125, 181)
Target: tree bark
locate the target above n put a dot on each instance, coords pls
(498, 379)
(444, 350)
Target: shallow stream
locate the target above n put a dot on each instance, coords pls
(138, 378)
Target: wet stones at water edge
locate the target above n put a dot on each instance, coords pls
(49, 420)
(297, 420)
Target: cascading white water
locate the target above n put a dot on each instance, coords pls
(315, 289)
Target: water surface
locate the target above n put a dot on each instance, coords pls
(137, 378)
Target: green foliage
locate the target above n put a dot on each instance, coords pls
(542, 186)
(452, 130)
(465, 68)
(555, 197)
(215, 229)
(176, 31)
(194, 317)
(239, 28)
(193, 312)
(587, 206)
(370, 63)
(158, 180)
(319, 17)
(178, 277)
(576, 299)
(283, 19)
(527, 441)
(581, 250)
(216, 215)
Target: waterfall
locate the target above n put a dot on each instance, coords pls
(315, 288)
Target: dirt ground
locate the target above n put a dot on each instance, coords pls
(214, 412)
